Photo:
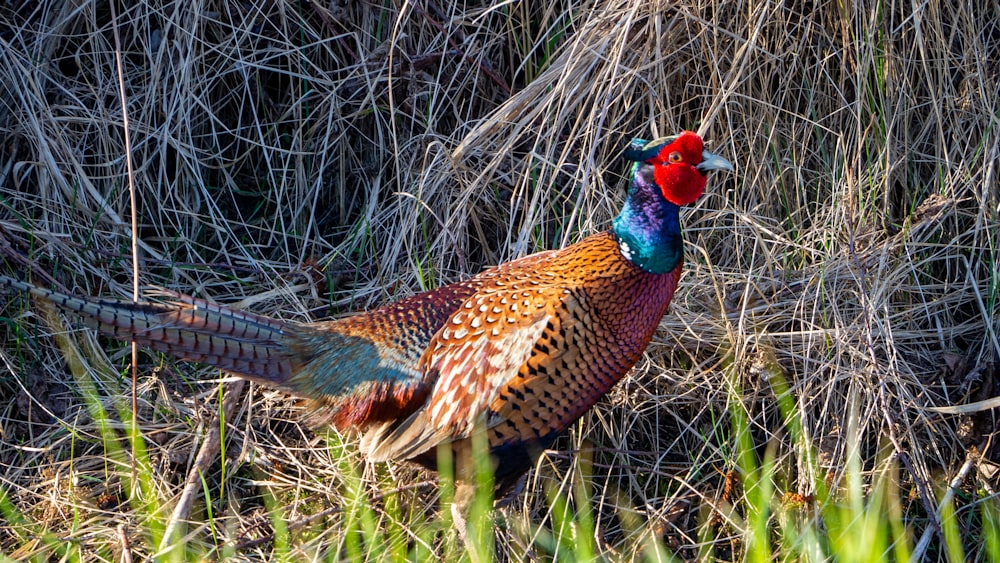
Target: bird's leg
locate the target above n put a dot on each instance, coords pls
(472, 517)
(465, 493)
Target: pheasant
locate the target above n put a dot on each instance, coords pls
(520, 351)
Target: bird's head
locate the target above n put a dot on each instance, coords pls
(668, 173)
(680, 165)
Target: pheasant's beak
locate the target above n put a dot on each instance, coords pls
(711, 161)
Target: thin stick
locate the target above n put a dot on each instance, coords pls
(126, 545)
(207, 454)
(925, 539)
(134, 434)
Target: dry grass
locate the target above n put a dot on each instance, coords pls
(312, 159)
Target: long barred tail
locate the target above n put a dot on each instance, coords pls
(193, 329)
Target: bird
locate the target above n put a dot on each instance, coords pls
(518, 352)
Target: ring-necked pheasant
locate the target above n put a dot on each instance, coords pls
(523, 349)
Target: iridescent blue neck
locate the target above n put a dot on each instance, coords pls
(648, 228)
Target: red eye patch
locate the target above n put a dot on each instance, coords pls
(688, 144)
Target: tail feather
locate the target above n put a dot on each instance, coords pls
(355, 372)
(243, 343)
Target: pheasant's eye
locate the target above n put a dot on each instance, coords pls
(675, 157)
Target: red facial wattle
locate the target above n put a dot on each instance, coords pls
(680, 183)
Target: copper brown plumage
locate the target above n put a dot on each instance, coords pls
(521, 350)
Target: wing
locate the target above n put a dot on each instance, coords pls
(365, 369)
(481, 348)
